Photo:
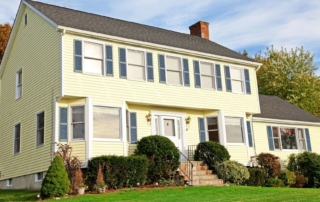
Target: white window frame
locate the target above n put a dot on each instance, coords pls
(44, 126)
(83, 41)
(36, 179)
(304, 138)
(19, 85)
(214, 74)
(296, 136)
(181, 67)
(9, 182)
(14, 140)
(25, 19)
(70, 123)
(206, 127)
(145, 62)
(242, 129)
(242, 76)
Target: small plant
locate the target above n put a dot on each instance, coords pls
(233, 172)
(100, 181)
(257, 177)
(56, 182)
(273, 182)
(288, 178)
(79, 183)
(270, 163)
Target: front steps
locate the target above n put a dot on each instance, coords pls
(201, 175)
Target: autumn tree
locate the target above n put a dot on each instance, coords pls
(5, 30)
(290, 75)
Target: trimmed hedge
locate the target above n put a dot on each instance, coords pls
(257, 177)
(232, 171)
(288, 178)
(118, 171)
(273, 182)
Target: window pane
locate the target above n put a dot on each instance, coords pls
(214, 136)
(40, 136)
(169, 127)
(20, 77)
(92, 66)
(234, 130)
(173, 63)
(93, 50)
(78, 114)
(300, 134)
(275, 131)
(212, 123)
(19, 91)
(136, 57)
(17, 131)
(302, 144)
(106, 122)
(276, 143)
(207, 82)
(207, 68)
(174, 78)
(17, 146)
(236, 74)
(40, 119)
(288, 138)
(78, 131)
(237, 86)
(136, 72)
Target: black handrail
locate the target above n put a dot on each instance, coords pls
(189, 167)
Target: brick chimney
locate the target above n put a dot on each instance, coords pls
(200, 29)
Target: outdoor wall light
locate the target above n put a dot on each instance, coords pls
(148, 117)
(188, 120)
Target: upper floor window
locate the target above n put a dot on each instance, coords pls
(174, 70)
(40, 129)
(106, 122)
(78, 123)
(207, 75)
(25, 19)
(19, 84)
(17, 133)
(93, 58)
(237, 79)
(136, 69)
(234, 130)
(288, 138)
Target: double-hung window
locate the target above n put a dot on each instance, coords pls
(17, 134)
(237, 79)
(302, 139)
(136, 69)
(212, 128)
(78, 123)
(106, 122)
(40, 129)
(207, 75)
(174, 70)
(234, 130)
(288, 138)
(19, 84)
(93, 58)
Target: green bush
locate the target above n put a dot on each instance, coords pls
(163, 156)
(232, 171)
(300, 181)
(118, 171)
(270, 163)
(257, 177)
(273, 182)
(56, 182)
(288, 177)
(220, 154)
(308, 165)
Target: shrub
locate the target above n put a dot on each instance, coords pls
(257, 177)
(56, 182)
(270, 163)
(300, 181)
(78, 183)
(118, 171)
(308, 165)
(273, 182)
(233, 171)
(205, 149)
(162, 154)
(100, 181)
(288, 178)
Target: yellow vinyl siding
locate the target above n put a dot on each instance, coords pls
(36, 49)
(107, 148)
(79, 150)
(131, 149)
(238, 153)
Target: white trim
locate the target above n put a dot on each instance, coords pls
(166, 68)
(123, 125)
(44, 128)
(17, 84)
(246, 134)
(214, 74)
(257, 94)
(36, 177)
(54, 138)
(222, 125)
(62, 63)
(145, 62)
(9, 184)
(88, 127)
(244, 143)
(280, 121)
(242, 79)
(83, 41)
(85, 121)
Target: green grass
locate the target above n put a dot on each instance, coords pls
(18, 195)
(185, 194)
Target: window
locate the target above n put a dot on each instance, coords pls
(207, 75)
(25, 19)
(93, 58)
(276, 138)
(174, 70)
(39, 176)
(17, 131)
(9, 182)
(237, 80)
(212, 128)
(288, 138)
(234, 130)
(302, 140)
(136, 69)
(78, 123)
(106, 122)
(19, 84)
(40, 129)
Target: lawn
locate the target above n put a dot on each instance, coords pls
(232, 193)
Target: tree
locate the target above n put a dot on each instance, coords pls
(5, 30)
(291, 76)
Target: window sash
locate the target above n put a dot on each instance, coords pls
(76, 124)
(174, 73)
(106, 122)
(17, 135)
(239, 124)
(40, 128)
(236, 81)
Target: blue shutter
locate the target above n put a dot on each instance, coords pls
(270, 138)
(249, 133)
(202, 132)
(150, 67)
(77, 55)
(123, 63)
(162, 69)
(247, 79)
(63, 123)
(218, 77)
(133, 127)
(186, 72)
(197, 74)
(228, 78)
(109, 63)
(308, 140)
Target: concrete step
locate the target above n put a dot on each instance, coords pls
(205, 177)
(195, 163)
(184, 167)
(216, 182)
(196, 172)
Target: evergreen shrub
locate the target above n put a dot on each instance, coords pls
(257, 177)
(233, 172)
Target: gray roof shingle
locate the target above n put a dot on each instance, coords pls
(273, 107)
(130, 30)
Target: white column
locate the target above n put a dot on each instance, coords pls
(245, 136)
(54, 123)
(89, 127)
(124, 128)
(222, 128)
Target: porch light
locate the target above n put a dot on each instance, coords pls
(148, 117)
(188, 120)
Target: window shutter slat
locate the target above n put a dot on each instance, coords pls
(247, 78)
(228, 78)
(77, 55)
(186, 72)
(270, 138)
(249, 134)
(150, 67)
(218, 76)
(197, 74)
(63, 123)
(109, 63)
(308, 139)
(162, 69)
(202, 132)
(123, 63)
(133, 127)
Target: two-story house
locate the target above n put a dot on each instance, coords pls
(101, 84)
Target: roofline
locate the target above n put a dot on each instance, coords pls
(157, 46)
(282, 121)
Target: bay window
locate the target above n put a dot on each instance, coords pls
(234, 130)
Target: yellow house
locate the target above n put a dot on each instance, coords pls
(101, 84)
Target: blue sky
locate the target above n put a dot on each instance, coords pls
(236, 24)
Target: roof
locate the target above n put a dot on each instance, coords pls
(273, 107)
(105, 25)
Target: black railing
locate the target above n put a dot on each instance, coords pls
(186, 167)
